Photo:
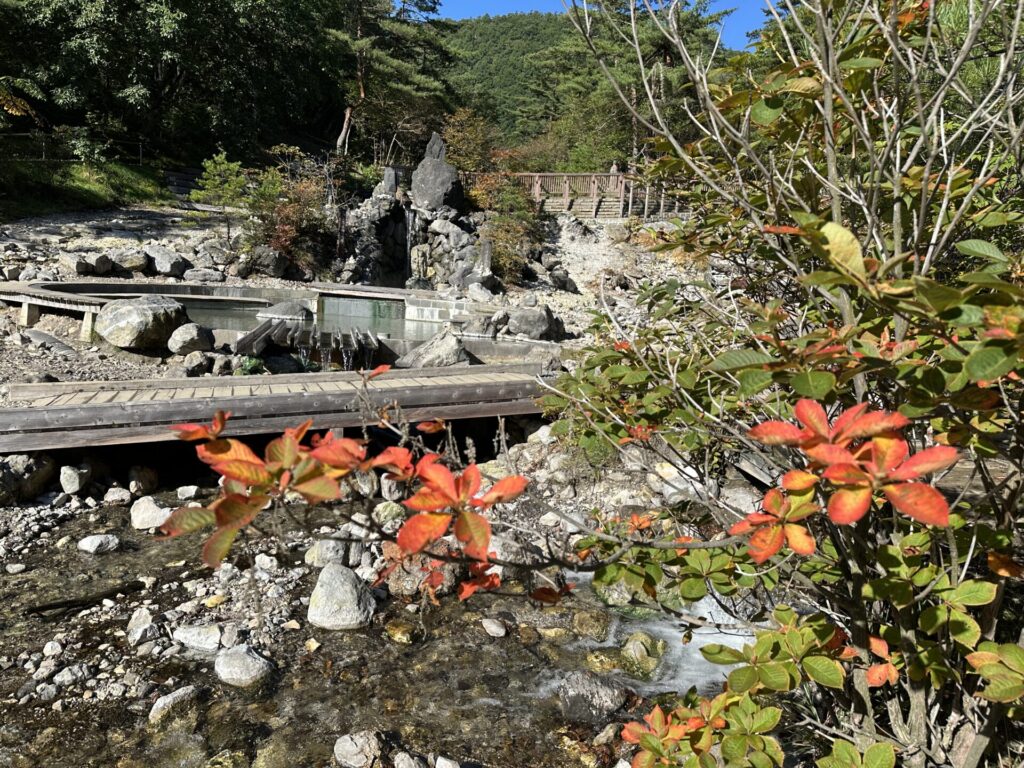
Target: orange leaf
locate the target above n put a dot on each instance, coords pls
(245, 471)
(631, 732)
(283, 451)
(776, 433)
(765, 542)
(427, 500)
(398, 462)
(219, 451)
(340, 453)
(187, 520)
(237, 511)
(782, 229)
(485, 582)
(828, 454)
(875, 423)
(437, 477)
(798, 480)
(506, 489)
(926, 462)
(920, 502)
(468, 483)
(879, 647)
(812, 416)
(847, 417)
(799, 539)
(422, 530)
(1004, 565)
(846, 474)
(431, 427)
(217, 546)
(848, 505)
(474, 532)
(378, 371)
(194, 432)
(318, 489)
(880, 674)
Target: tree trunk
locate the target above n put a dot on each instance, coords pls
(341, 145)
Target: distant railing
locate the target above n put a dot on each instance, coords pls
(593, 195)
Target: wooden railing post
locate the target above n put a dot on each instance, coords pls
(565, 191)
(622, 192)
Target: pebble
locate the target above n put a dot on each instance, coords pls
(188, 492)
(444, 762)
(241, 667)
(326, 551)
(493, 627)
(98, 544)
(74, 479)
(165, 705)
(53, 648)
(405, 760)
(117, 497)
(15, 568)
(141, 627)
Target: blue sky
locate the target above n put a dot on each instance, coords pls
(746, 16)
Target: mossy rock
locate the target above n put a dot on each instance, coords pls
(592, 624)
(604, 660)
(641, 654)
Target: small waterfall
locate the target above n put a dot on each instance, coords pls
(411, 222)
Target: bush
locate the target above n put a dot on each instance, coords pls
(513, 226)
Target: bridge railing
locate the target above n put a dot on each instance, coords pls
(592, 195)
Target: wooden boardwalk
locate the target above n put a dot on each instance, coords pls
(85, 414)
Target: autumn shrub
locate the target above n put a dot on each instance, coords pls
(514, 225)
(863, 365)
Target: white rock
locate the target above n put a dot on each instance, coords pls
(15, 568)
(266, 562)
(358, 750)
(326, 551)
(493, 627)
(188, 492)
(52, 648)
(202, 637)
(117, 496)
(165, 705)
(74, 479)
(340, 600)
(241, 666)
(405, 760)
(99, 543)
(147, 513)
(444, 762)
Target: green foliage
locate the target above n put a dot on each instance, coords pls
(34, 188)
(513, 225)
(471, 141)
(221, 184)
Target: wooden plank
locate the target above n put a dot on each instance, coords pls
(104, 397)
(125, 395)
(203, 392)
(10, 443)
(25, 392)
(185, 393)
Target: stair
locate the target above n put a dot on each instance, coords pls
(182, 182)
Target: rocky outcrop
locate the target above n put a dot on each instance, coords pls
(262, 260)
(377, 235)
(144, 323)
(435, 182)
(23, 477)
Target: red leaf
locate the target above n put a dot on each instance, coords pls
(474, 531)
(468, 483)
(798, 480)
(844, 419)
(782, 229)
(340, 453)
(926, 462)
(485, 582)
(547, 595)
(378, 371)
(799, 540)
(237, 511)
(813, 417)
(875, 423)
(283, 451)
(765, 542)
(300, 431)
(631, 732)
(887, 453)
(398, 462)
(920, 502)
(878, 647)
(848, 505)
(777, 433)
(194, 432)
(506, 489)
(420, 531)
(827, 454)
(437, 477)
(775, 503)
(245, 472)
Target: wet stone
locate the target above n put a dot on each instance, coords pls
(173, 702)
(99, 544)
(241, 667)
(358, 750)
(203, 638)
(340, 600)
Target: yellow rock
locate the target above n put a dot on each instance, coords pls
(214, 600)
(312, 645)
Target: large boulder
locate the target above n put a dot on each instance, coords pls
(586, 698)
(263, 260)
(435, 182)
(166, 262)
(190, 337)
(129, 259)
(203, 275)
(23, 476)
(440, 351)
(532, 322)
(143, 323)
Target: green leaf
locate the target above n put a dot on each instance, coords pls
(765, 719)
(804, 86)
(752, 382)
(774, 675)
(734, 748)
(1004, 688)
(938, 296)
(743, 679)
(981, 249)
(824, 671)
(693, 589)
(844, 249)
(734, 359)
(880, 756)
(933, 618)
(813, 384)
(964, 629)
(762, 113)
(990, 362)
(866, 62)
(1012, 656)
(973, 592)
(717, 653)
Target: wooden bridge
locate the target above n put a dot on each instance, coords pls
(88, 414)
(592, 195)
